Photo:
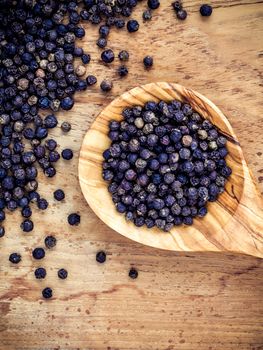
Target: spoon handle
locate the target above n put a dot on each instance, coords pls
(245, 230)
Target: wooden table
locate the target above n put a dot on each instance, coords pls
(179, 301)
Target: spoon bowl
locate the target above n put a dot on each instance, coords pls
(233, 223)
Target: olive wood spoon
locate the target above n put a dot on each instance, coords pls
(234, 222)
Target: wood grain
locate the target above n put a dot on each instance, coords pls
(205, 301)
(239, 207)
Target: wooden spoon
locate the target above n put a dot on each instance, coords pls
(234, 222)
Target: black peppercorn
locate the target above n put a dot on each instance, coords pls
(47, 293)
(67, 154)
(206, 10)
(122, 71)
(106, 85)
(91, 80)
(59, 195)
(132, 25)
(74, 219)
(148, 61)
(133, 273)
(65, 126)
(123, 55)
(107, 56)
(50, 242)
(38, 253)
(62, 274)
(40, 273)
(101, 257)
(15, 258)
(182, 14)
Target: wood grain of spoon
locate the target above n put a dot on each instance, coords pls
(234, 222)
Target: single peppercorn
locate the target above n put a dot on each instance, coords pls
(47, 293)
(123, 71)
(148, 61)
(177, 6)
(91, 80)
(67, 154)
(133, 273)
(147, 16)
(62, 274)
(27, 225)
(132, 26)
(181, 14)
(153, 4)
(15, 258)
(40, 273)
(123, 55)
(59, 195)
(50, 242)
(65, 126)
(107, 56)
(2, 231)
(106, 85)
(206, 10)
(101, 257)
(38, 253)
(74, 219)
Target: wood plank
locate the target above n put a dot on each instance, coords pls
(179, 301)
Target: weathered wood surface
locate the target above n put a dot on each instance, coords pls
(180, 301)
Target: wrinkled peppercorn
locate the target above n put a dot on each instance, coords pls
(74, 219)
(123, 55)
(101, 257)
(50, 242)
(148, 61)
(206, 10)
(59, 195)
(133, 273)
(38, 253)
(47, 293)
(62, 274)
(15, 258)
(40, 273)
(106, 85)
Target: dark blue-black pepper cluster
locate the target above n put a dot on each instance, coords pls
(164, 164)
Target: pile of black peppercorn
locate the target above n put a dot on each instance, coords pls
(164, 165)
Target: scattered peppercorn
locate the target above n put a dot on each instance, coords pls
(123, 71)
(123, 55)
(107, 56)
(133, 273)
(181, 14)
(101, 257)
(132, 25)
(15, 258)
(65, 126)
(59, 195)
(38, 253)
(206, 10)
(153, 4)
(177, 6)
(106, 85)
(2, 231)
(62, 274)
(50, 242)
(40, 273)
(91, 80)
(47, 293)
(147, 15)
(27, 225)
(74, 219)
(67, 154)
(148, 61)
